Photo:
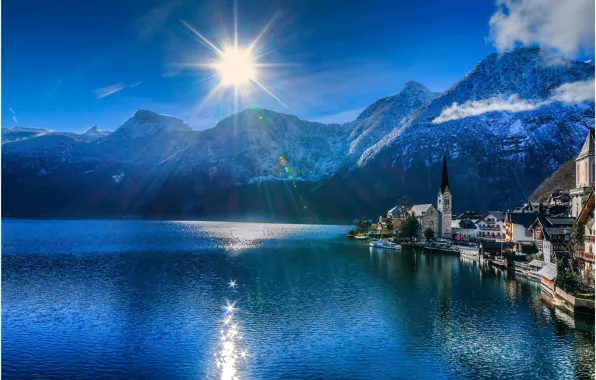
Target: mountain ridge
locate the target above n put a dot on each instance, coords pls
(267, 163)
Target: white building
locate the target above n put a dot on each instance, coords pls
(463, 228)
(491, 226)
(517, 226)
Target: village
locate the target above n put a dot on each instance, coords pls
(551, 242)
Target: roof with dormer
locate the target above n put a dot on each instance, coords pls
(588, 148)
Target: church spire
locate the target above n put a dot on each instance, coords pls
(445, 178)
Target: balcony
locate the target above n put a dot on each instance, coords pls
(589, 238)
(585, 255)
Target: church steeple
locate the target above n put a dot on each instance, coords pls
(445, 178)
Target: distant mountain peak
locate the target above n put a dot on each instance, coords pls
(415, 86)
(145, 122)
(410, 90)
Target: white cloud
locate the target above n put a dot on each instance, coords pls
(478, 107)
(575, 92)
(564, 26)
(135, 84)
(14, 115)
(109, 90)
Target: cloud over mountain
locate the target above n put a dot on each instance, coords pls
(551, 24)
(574, 92)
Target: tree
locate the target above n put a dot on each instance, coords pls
(409, 228)
(566, 279)
(362, 225)
(429, 233)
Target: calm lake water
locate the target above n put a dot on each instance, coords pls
(152, 300)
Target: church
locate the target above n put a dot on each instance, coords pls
(437, 219)
(444, 203)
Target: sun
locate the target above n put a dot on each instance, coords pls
(236, 66)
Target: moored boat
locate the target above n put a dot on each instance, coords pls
(384, 244)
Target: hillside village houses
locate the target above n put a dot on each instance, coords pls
(438, 219)
(551, 236)
(546, 225)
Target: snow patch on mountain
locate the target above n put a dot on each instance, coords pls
(385, 114)
(93, 133)
(145, 123)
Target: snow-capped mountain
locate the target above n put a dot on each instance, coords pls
(506, 126)
(258, 144)
(21, 133)
(384, 115)
(93, 133)
(510, 132)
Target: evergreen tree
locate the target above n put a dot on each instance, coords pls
(409, 228)
(429, 233)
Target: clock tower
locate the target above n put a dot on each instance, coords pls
(444, 203)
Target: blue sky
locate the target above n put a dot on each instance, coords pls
(67, 65)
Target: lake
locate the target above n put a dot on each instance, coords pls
(103, 299)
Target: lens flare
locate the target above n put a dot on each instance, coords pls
(235, 65)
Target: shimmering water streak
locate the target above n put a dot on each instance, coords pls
(143, 300)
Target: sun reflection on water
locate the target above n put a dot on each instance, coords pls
(229, 350)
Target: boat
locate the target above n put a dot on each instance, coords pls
(441, 247)
(361, 237)
(384, 244)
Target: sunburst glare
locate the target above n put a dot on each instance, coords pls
(234, 65)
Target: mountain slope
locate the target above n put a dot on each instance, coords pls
(496, 159)
(384, 115)
(21, 133)
(563, 178)
(264, 164)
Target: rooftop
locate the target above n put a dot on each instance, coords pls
(418, 210)
(588, 148)
(549, 271)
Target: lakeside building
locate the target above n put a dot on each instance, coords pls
(427, 217)
(517, 226)
(438, 219)
(585, 220)
(584, 175)
(463, 228)
(389, 223)
(551, 236)
(491, 226)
